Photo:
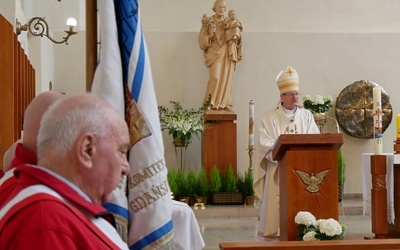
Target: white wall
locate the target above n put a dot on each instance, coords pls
(331, 43)
(8, 9)
(70, 70)
(41, 54)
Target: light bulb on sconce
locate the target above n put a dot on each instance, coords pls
(71, 22)
(38, 26)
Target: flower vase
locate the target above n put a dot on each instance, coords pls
(178, 142)
(320, 120)
(181, 155)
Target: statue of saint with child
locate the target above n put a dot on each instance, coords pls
(221, 41)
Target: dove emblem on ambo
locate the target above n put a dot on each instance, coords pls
(312, 181)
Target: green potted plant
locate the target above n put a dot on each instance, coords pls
(182, 187)
(191, 180)
(224, 182)
(173, 185)
(248, 190)
(240, 183)
(230, 181)
(319, 106)
(201, 187)
(215, 180)
(341, 174)
(182, 124)
(228, 193)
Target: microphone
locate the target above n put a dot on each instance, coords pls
(336, 123)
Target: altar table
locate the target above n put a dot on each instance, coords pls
(367, 182)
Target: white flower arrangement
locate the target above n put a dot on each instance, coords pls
(319, 105)
(305, 218)
(183, 123)
(310, 236)
(310, 229)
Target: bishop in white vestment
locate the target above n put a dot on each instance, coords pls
(286, 118)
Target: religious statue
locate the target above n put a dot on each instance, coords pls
(221, 41)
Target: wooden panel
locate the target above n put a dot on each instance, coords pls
(17, 83)
(91, 42)
(220, 115)
(322, 201)
(394, 229)
(22, 85)
(380, 225)
(7, 119)
(219, 145)
(33, 83)
(17, 86)
(287, 142)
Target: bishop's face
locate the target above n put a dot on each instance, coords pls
(290, 100)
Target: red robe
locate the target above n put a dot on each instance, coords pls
(53, 215)
(22, 156)
(7, 182)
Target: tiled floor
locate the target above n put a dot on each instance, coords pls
(239, 223)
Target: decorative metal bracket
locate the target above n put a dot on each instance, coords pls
(38, 26)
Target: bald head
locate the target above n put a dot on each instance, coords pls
(74, 115)
(85, 140)
(32, 116)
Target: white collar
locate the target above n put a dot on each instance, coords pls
(289, 111)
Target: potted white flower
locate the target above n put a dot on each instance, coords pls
(182, 123)
(310, 229)
(319, 105)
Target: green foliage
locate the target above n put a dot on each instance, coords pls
(319, 105)
(215, 180)
(240, 183)
(224, 182)
(248, 183)
(201, 187)
(183, 123)
(191, 180)
(341, 167)
(182, 187)
(230, 181)
(199, 184)
(172, 175)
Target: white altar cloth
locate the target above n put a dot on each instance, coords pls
(367, 183)
(186, 228)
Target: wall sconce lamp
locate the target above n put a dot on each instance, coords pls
(37, 26)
